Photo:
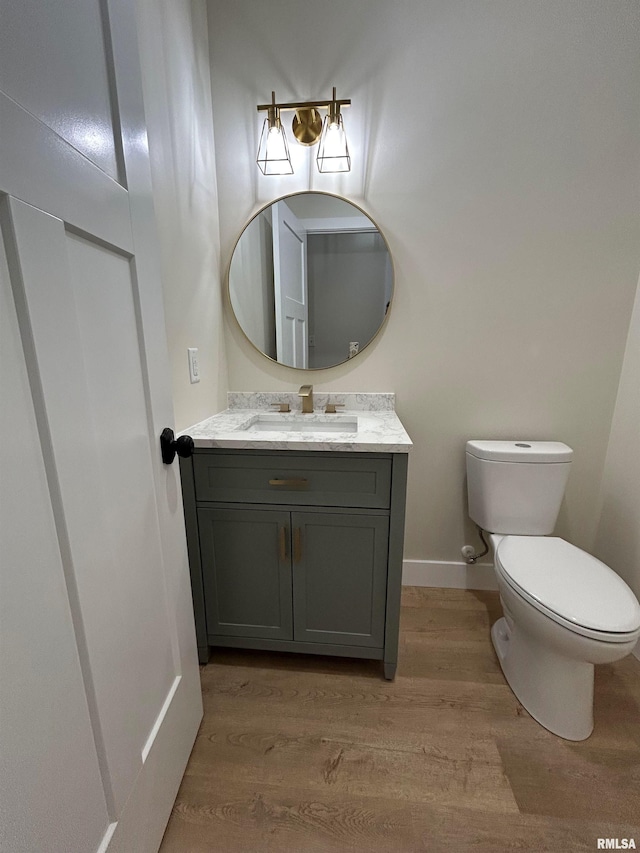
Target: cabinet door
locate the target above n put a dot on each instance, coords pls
(246, 568)
(339, 578)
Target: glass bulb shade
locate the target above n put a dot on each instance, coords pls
(273, 152)
(333, 152)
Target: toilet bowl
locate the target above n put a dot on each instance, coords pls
(564, 610)
(575, 613)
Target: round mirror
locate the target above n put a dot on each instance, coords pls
(311, 280)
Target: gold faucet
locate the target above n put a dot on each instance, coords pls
(306, 392)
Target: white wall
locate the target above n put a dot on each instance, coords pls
(177, 93)
(618, 538)
(495, 143)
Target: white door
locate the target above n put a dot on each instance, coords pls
(290, 286)
(99, 687)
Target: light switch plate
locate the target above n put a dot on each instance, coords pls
(194, 370)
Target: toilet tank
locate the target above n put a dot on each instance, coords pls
(517, 486)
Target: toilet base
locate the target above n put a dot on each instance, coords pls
(556, 690)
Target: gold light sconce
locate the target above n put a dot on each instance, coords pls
(308, 128)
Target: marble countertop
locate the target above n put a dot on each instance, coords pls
(379, 429)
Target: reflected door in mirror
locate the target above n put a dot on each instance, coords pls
(290, 287)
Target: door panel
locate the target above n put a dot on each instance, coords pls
(65, 84)
(40, 670)
(246, 567)
(339, 578)
(42, 168)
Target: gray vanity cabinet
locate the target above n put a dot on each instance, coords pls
(296, 551)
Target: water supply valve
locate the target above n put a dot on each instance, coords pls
(469, 554)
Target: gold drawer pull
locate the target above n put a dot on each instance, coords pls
(297, 545)
(282, 534)
(300, 483)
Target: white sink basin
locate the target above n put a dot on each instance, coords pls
(301, 423)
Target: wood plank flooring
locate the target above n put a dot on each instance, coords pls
(302, 754)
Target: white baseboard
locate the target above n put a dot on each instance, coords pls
(449, 575)
(636, 651)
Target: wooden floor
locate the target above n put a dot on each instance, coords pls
(298, 753)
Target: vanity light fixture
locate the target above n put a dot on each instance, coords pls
(308, 128)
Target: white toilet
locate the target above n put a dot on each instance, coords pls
(564, 610)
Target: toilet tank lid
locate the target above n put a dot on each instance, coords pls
(520, 450)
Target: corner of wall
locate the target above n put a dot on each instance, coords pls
(617, 539)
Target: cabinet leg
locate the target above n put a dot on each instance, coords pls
(203, 655)
(390, 670)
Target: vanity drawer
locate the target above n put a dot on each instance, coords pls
(325, 480)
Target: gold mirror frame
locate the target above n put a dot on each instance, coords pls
(235, 245)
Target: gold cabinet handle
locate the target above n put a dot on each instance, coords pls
(297, 545)
(282, 536)
(300, 483)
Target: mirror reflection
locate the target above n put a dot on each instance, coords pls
(310, 280)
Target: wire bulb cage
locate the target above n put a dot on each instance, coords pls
(273, 151)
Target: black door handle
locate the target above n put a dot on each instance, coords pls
(170, 445)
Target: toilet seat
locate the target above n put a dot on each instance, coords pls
(569, 586)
